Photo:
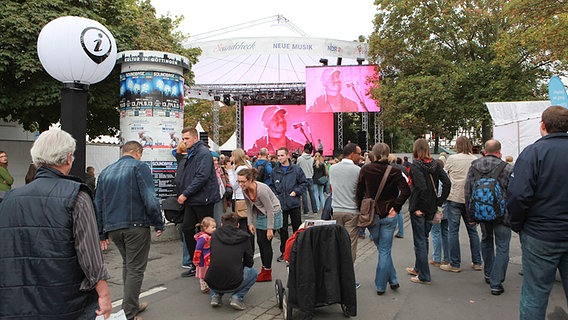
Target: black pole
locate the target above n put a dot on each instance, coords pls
(74, 121)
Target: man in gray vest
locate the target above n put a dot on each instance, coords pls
(51, 261)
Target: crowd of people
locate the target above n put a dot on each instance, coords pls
(228, 202)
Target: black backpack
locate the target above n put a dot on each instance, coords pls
(487, 201)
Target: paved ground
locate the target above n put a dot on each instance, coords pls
(451, 296)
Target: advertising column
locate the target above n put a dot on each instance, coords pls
(151, 109)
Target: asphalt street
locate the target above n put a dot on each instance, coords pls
(462, 295)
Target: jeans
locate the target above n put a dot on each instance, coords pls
(420, 230)
(439, 234)
(186, 259)
(296, 217)
(249, 279)
(382, 234)
(400, 224)
(310, 191)
(540, 261)
(318, 194)
(495, 239)
(134, 246)
(455, 211)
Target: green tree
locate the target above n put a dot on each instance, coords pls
(198, 110)
(28, 95)
(439, 64)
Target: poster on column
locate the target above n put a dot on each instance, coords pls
(151, 111)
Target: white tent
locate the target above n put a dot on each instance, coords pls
(516, 124)
(230, 144)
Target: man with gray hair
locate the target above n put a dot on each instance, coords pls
(127, 206)
(62, 274)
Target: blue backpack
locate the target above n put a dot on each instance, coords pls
(487, 202)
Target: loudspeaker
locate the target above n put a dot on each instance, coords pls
(204, 137)
(362, 140)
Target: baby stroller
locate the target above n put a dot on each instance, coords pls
(320, 272)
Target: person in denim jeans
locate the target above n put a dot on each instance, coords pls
(425, 176)
(395, 192)
(495, 235)
(537, 199)
(457, 167)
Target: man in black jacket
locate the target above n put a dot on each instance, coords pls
(198, 187)
(537, 199)
(230, 269)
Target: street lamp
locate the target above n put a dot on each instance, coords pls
(78, 52)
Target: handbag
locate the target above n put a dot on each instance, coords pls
(322, 180)
(241, 208)
(368, 208)
(173, 210)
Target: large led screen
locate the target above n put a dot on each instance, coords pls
(285, 125)
(340, 89)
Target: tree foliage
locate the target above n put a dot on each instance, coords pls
(197, 110)
(441, 60)
(31, 97)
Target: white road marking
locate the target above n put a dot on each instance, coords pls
(142, 295)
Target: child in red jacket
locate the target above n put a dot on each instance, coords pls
(203, 250)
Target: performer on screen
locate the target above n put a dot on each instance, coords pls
(274, 120)
(332, 100)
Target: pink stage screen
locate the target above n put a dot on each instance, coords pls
(340, 89)
(275, 121)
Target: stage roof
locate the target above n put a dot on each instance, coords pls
(269, 60)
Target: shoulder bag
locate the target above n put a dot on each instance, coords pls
(368, 205)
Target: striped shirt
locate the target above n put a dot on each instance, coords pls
(87, 242)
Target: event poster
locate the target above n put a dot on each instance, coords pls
(264, 124)
(340, 89)
(151, 111)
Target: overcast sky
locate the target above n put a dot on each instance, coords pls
(334, 19)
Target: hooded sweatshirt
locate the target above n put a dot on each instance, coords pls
(230, 252)
(423, 195)
(306, 162)
(485, 165)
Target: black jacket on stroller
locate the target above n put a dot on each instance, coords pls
(321, 270)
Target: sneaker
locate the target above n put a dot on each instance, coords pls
(487, 280)
(497, 291)
(215, 300)
(476, 267)
(237, 304)
(185, 267)
(416, 280)
(434, 263)
(395, 286)
(449, 268)
(357, 285)
(188, 273)
(397, 236)
(281, 258)
(411, 271)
